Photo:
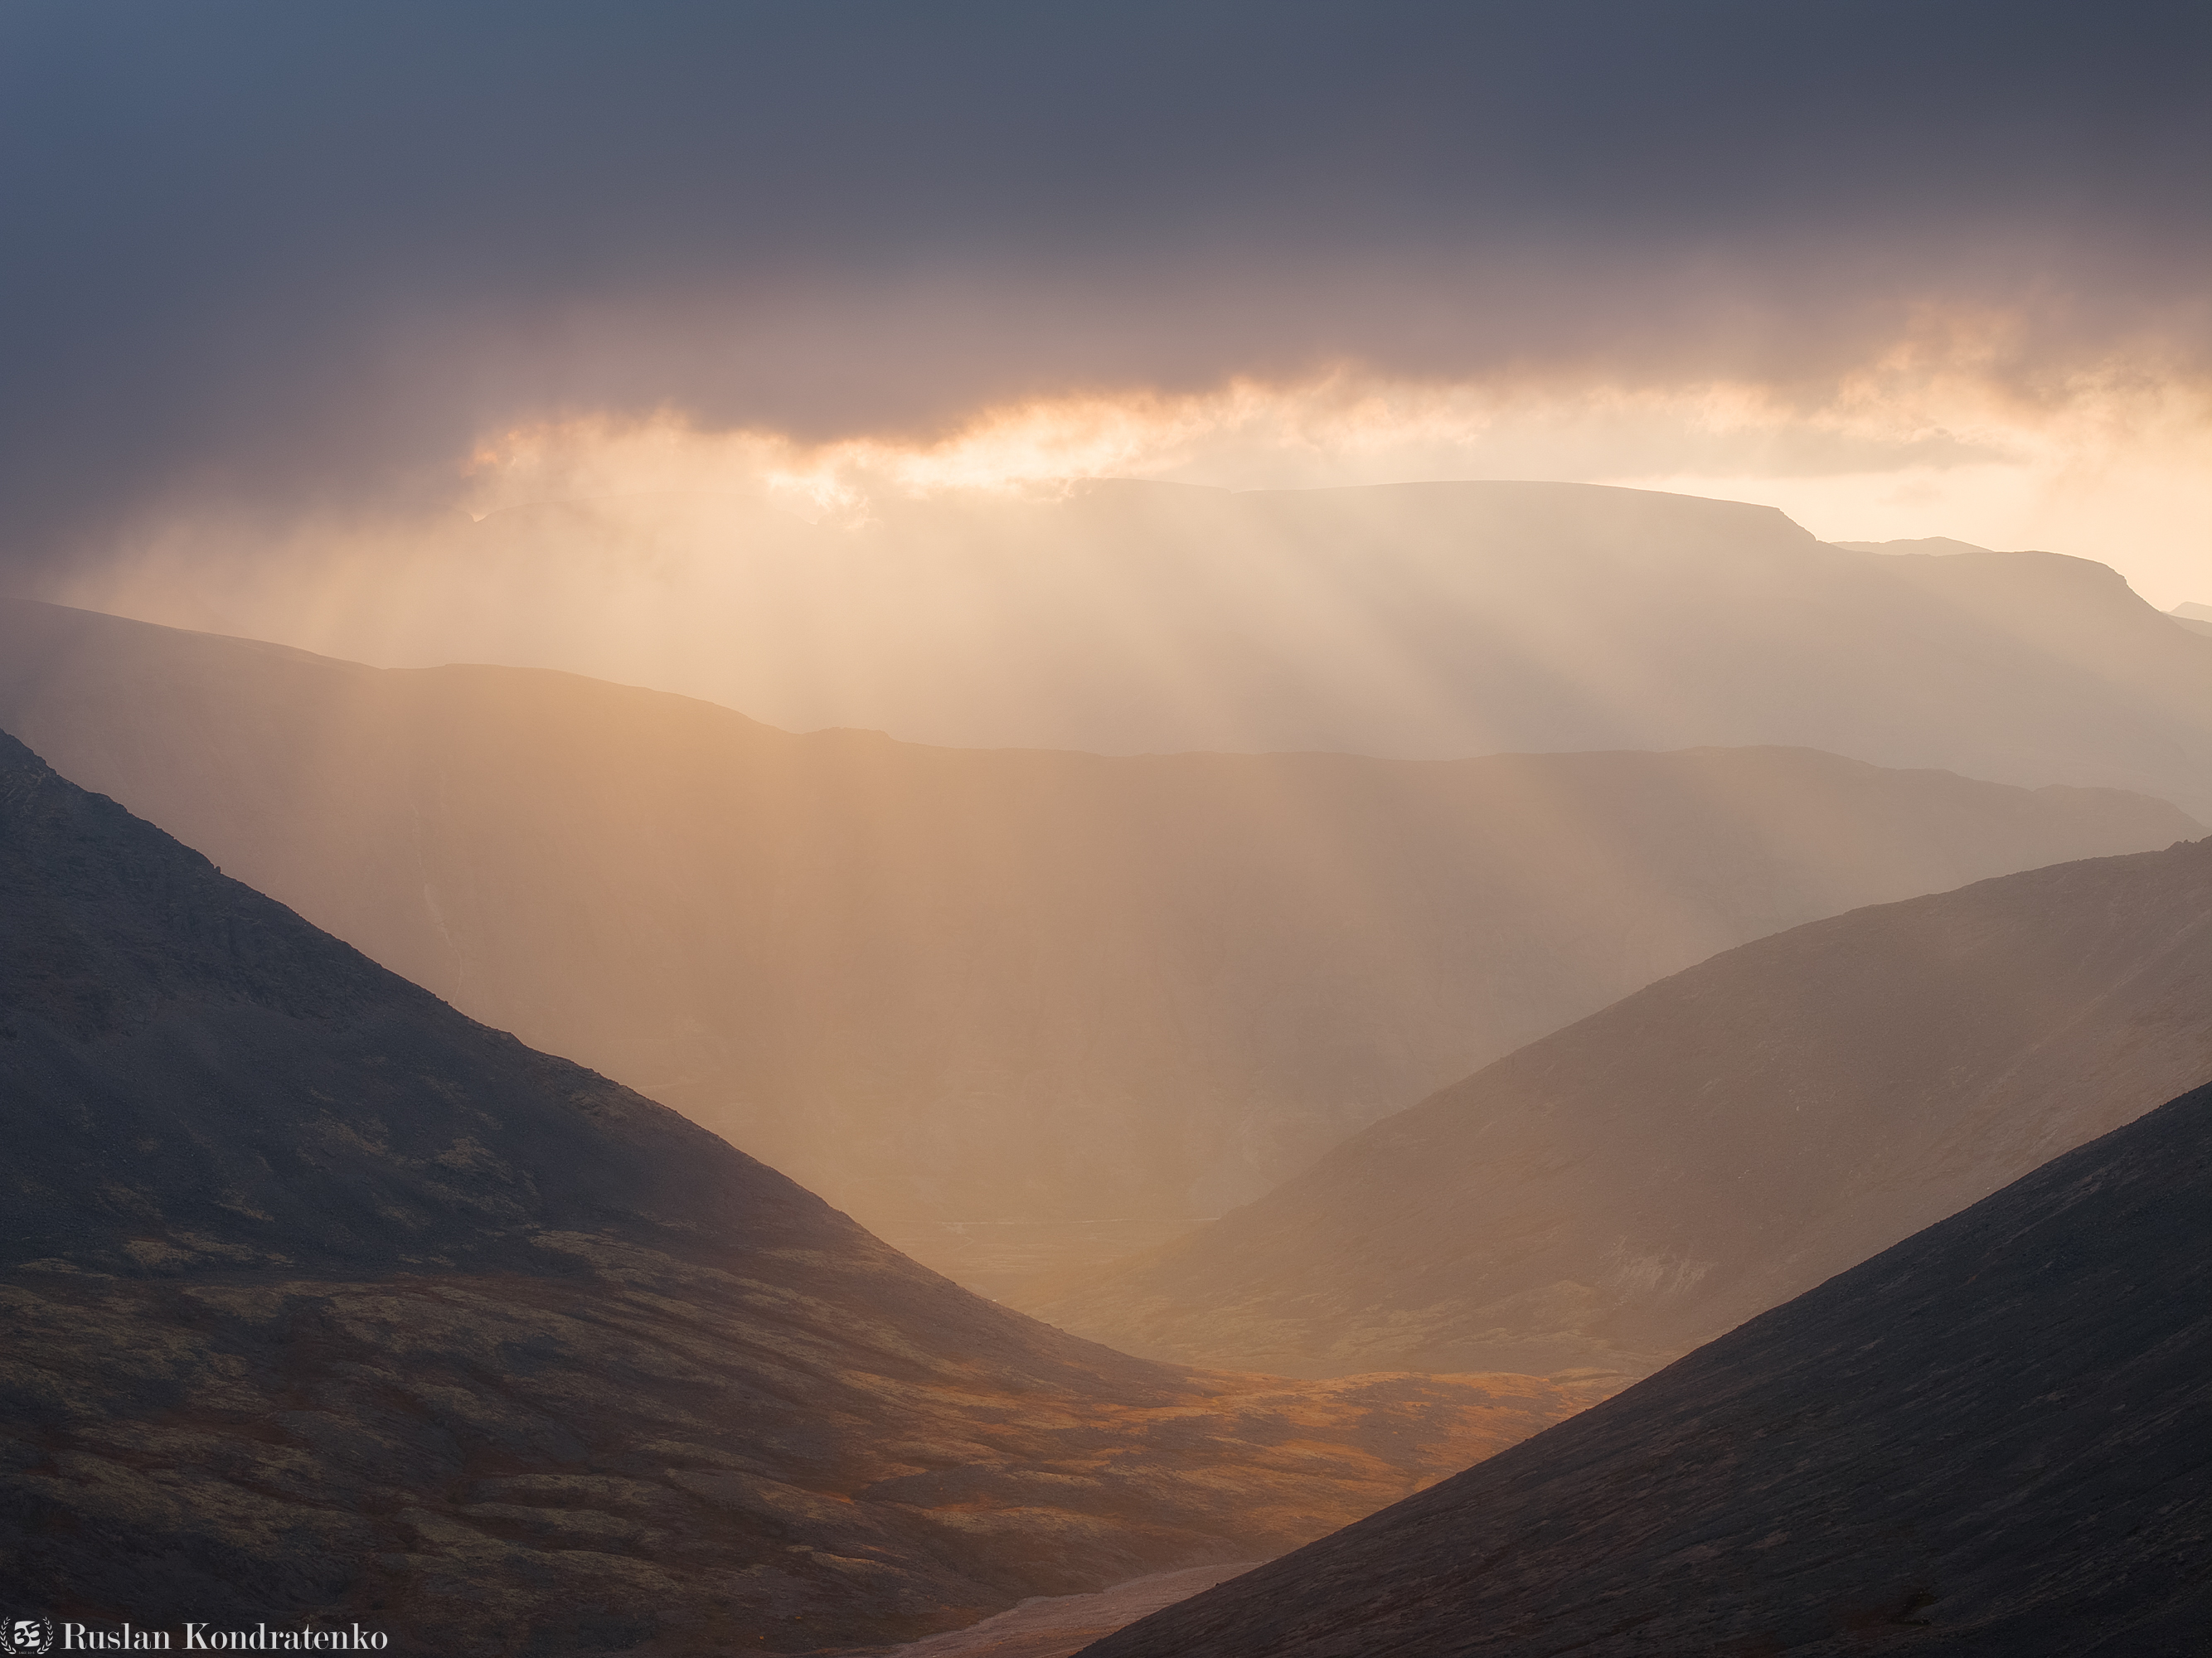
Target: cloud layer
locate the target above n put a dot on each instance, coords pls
(274, 258)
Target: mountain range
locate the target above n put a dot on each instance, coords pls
(1988, 1438)
(323, 1303)
(1014, 1010)
(1617, 1192)
(1423, 621)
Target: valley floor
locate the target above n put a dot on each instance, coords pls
(1056, 1626)
(1019, 1261)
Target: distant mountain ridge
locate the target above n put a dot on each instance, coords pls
(1925, 546)
(1418, 620)
(320, 1301)
(1987, 1439)
(1647, 1178)
(1083, 994)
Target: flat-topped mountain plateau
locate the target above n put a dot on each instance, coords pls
(1423, 621)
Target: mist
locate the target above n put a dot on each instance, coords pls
(837, 827)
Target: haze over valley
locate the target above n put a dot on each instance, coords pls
(1620, 1192)
(1428, 620)
(1020, 1011)
(344, 1304)
(1982, 1436)
(1183, 829)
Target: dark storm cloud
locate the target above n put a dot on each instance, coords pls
(279, 251)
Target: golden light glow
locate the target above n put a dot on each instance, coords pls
(976, 590)
(2111, 467)
(799, 581)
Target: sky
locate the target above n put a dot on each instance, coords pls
(279, 276)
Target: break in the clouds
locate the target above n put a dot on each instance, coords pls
(265, 258)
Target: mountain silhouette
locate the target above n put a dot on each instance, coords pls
(319, 1300)
(1082, 1001)
(1619, 1191)
(1422, 620)
(1990, 1438)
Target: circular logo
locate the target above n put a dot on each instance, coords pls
(26, 1637)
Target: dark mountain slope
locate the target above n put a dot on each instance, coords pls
(1638, 1182)
(318, 1298)
(939, 986)
(1988, 1439)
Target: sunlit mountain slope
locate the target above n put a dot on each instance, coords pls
(1987, 1439)
(1643, 1180)
(320, 1299)
(1077, 1001)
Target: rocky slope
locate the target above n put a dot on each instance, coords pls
(320, 1300)
(1722, 1140)
(1063, 1002)
(1987, 1439)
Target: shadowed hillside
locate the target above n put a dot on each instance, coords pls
(318, 1299)
(1064, 1003)
(1639, 1182)
(1987, 1439)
